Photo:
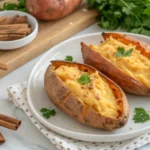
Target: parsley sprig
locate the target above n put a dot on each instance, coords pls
(134, 16)
(140, 115)
(47, 113)
(69, 58)
(84, 79)
(121, 52)
(21, 6)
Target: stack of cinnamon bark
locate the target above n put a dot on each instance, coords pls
(14, 28)
(8, 122)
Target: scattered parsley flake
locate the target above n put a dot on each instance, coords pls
(121, 52)
(47, 113)
(69, 58)
(140, 115)
(84, 79)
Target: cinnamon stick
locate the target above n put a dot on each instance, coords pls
(13, 26)
(9, 122)
(2, 18)
(16, 31)
(12, 19)
(10, 119)
(5, 21)
(10, 37)
(8, 20)
(12, 33)
(21, 19)
(2, 139)
(8, 125)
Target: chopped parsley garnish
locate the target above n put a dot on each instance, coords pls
(47, 113)
(140, 115)
(121, 52)
(69, 58)
(84, 79)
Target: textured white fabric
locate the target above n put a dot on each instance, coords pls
(17, 95)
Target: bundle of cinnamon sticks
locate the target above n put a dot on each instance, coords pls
(14, 28)
(8, 122)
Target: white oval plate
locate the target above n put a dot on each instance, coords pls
(62, 123)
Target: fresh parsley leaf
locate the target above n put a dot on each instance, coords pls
(128, 53)
(47, 113)
(84, 79)
(147, 11)
(121, 52)
(126, 10)
(69, 58)
(140, 115)
(43, 110)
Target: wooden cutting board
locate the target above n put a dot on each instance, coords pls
(50, 34)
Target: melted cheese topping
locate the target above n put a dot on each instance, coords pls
(136, 66)
(96, 95)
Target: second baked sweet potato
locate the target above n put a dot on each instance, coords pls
(131, 71)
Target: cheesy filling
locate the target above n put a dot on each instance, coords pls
(96, 95)
(136, 66)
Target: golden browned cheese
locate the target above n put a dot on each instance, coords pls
(96, 95)
(136, 65)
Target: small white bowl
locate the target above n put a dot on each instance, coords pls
(10, 45)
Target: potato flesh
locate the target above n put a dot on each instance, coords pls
(136, 66)
(96, 95)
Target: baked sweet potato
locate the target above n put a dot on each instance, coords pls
(51, 9)
(86, 95)
(131, 73)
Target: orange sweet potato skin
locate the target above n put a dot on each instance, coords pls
(127, 83)
(65, 100)
(51, 9)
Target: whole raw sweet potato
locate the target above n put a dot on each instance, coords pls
(51, 9)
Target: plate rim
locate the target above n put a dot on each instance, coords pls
(47, 124)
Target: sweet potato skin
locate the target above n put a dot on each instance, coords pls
(78, 110)
(127, 83)
(51, 9)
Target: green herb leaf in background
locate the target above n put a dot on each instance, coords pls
(69, 58)
(133, 16)
(21, 6)
(47, 113)
(84, 79)
(9, 6)
(121, 52)
(140, 115)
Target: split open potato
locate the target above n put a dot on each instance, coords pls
(124, 60)
(86, 95)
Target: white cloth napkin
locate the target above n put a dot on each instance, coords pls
(17, 95)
